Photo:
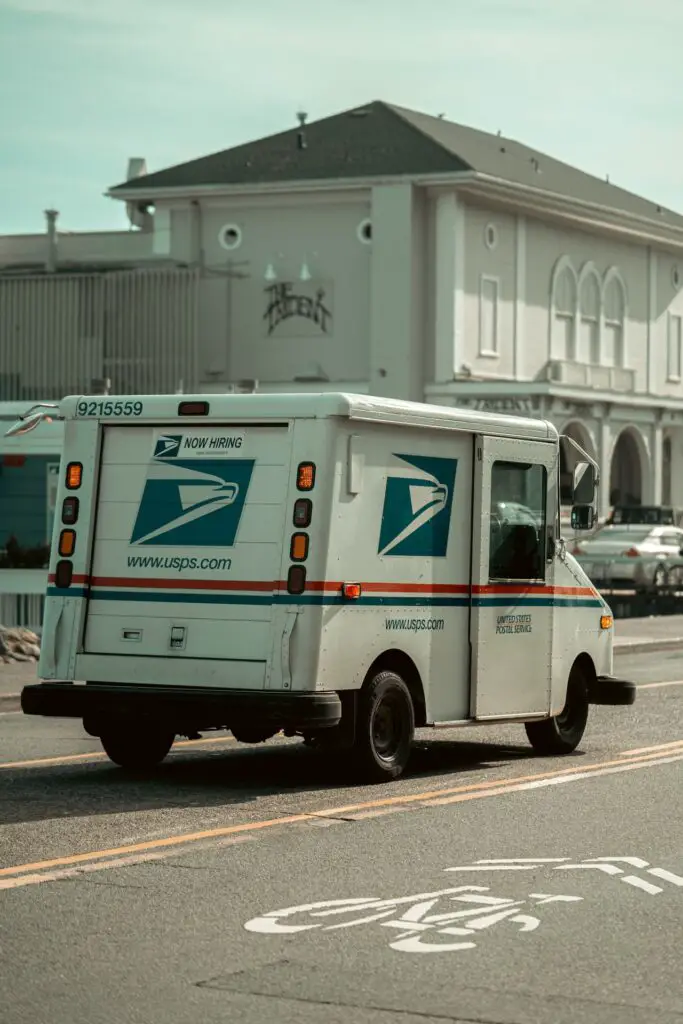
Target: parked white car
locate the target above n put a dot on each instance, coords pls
(638, 556)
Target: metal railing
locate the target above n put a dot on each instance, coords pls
(602, 378)
(61, 333)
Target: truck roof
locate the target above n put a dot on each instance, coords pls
(315, 406)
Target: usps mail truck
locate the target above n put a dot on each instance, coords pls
(337, 567)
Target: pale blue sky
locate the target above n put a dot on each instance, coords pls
(84, 84)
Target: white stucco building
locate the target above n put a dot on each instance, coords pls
(378, 250)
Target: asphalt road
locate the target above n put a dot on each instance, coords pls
(142, 900)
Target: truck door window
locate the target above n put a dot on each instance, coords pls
(518, 516)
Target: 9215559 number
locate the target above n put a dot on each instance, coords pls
(99, 408)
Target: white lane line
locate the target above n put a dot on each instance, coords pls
(649, 750)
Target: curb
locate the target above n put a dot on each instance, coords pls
(643, 646)
(10, 698)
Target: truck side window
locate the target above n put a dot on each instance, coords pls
(518, 517)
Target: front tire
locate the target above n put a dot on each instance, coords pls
(135, 748)
(385, 727)
(563, 733)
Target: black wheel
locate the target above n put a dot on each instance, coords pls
(385, 726)
(562, 734)
(136, 748)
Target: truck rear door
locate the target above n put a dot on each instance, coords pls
(188, 542)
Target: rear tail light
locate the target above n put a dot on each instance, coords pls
(576, 550)
(63, 574)
(632, 553)
(296, 579)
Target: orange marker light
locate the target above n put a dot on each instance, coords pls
(305, 476)
(352, 591)
(74, 475)
(606, 622)
(67, 543)
(298, 549)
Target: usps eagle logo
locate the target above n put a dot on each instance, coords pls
(192, 502)
(418, 500)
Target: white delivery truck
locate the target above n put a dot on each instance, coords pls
(340, 567)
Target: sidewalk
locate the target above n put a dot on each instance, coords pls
(631, 636)
(656, 633)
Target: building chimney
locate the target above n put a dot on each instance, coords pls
(51, 261)
(137, 167)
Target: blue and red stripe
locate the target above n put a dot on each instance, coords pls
(323, 592)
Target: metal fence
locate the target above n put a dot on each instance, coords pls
(61, 334)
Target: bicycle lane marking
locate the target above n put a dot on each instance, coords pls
(11, 877)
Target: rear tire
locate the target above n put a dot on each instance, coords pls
(136, 748)
(385, 727)
(563, 733)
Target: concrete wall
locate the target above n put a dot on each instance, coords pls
(246, 328)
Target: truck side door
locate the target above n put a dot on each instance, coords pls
(511, 622)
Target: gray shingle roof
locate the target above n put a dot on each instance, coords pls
(382, 140)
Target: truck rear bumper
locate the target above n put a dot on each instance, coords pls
(183, 708)
(608, 690)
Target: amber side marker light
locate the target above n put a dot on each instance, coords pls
(74, 475)
(305, 476)
(351, 591)
(606, 622)
(298, 549)
(67, 543)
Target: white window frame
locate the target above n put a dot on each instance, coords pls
(674, 318)
(489, 353)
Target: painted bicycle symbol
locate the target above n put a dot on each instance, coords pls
(424, 926)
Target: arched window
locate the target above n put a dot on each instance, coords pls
(589, 308)
(563, 310)
(614, 348)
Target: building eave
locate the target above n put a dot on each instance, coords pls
(580, 213)
(138, 194)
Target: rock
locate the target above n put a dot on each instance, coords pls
(18, 644)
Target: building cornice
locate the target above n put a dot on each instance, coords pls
(522, 198)
(476, 390)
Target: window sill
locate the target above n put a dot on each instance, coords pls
(488, 354)
(673, 380)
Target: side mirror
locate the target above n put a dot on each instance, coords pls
(583, 517)
(583, 485)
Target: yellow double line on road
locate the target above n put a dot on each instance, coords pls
(72, 864)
